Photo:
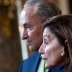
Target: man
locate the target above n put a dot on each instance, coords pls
(34, 13)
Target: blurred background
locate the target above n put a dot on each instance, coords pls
(12, 48)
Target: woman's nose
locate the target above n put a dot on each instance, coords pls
(41, 49)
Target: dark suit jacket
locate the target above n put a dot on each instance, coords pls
(58, 69)
(31, 64)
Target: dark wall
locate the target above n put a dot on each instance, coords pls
(10, 49)
(70, 5)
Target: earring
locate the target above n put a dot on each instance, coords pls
(62, 54)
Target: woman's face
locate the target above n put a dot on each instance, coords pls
(51, 49)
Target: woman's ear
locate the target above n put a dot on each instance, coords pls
(66, 49)
(66, 42)
(63, 50)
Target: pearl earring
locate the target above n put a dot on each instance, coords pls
(62, 54)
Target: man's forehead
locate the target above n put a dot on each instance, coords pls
(22, 17)
(26, 15)
(28, 10)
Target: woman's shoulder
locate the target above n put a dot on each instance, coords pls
(58, 69)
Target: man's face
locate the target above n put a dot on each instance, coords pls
(32, 28)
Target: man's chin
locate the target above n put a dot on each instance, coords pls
(30, 48)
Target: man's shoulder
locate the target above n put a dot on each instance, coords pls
(33, 57)
(36, 54)
(30, 64)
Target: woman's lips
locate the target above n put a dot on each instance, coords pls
(44, 58)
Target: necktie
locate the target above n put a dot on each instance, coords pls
(43, 69)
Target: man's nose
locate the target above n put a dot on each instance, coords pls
(25, 34)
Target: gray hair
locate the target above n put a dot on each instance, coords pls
(44, 8)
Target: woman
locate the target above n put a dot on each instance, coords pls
(56, 49)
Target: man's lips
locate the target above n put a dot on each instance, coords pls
(28, 42)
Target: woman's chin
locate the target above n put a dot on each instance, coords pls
(48, 66)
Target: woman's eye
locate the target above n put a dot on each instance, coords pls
(45, 42)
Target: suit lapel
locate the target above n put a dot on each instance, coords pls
(36, 62)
